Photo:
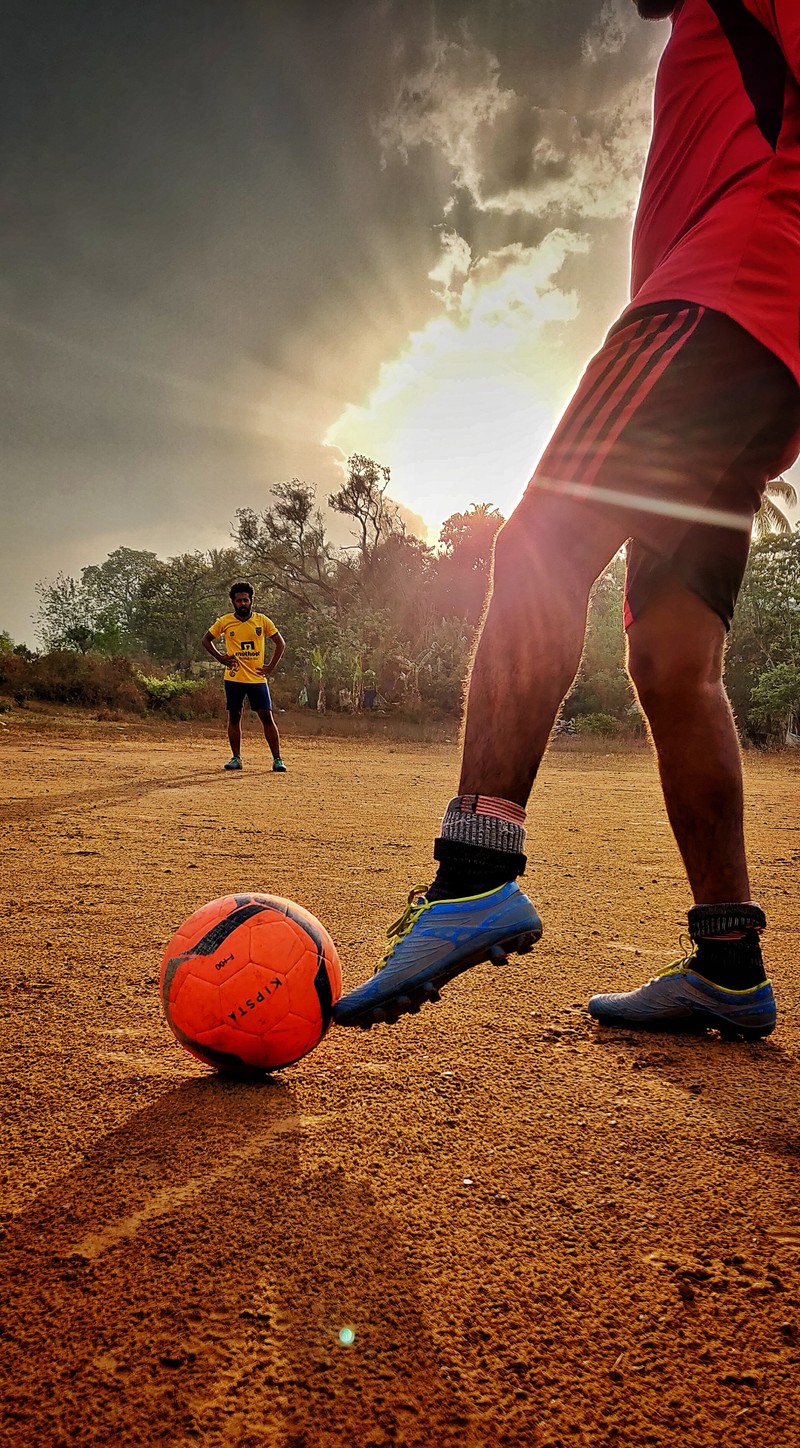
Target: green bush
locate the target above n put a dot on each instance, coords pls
(179, 698)
(603, 725)
(161, 691)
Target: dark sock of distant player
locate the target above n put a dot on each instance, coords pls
(728, 944)
(480, 847)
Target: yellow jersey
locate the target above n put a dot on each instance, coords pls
(244, 640)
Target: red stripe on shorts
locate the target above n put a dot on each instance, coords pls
(610, 391)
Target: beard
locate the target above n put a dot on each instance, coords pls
(655, 9)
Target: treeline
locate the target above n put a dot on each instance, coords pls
(387, 622)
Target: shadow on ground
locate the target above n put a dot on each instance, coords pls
(187, 1282)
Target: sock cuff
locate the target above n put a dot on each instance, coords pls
(730, 918)
(486, 822)
(475, 860)
(489, 805)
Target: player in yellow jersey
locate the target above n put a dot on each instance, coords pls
(243, 635)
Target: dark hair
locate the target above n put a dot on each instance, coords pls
(656, 9)
(241, 588)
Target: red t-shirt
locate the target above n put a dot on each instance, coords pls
(718, 220)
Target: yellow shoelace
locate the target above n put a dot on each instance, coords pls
(417, 902)
(680, 966)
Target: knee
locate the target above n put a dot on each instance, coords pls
(235, 717)
(649, 677)
(665, 675)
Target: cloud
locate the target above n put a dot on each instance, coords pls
(453, 264)
(456, 91)
(463, 411)
(513, 156)
(610, 31)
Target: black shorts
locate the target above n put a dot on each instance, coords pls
(257, 696)
(680, 420)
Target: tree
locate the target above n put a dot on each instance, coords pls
(463, 566)
(771, 517)
(470, 536)
(775, 699)
(767, 619)
(363, 498)
(66, 617)
(766, 625)
(394, 581)
(97, 611)
(284, 547)
(179, 599)
(603, 686)
(115, 586)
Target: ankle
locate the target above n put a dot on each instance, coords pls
(471, 869)
(727, 938)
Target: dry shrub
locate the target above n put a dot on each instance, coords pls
(62, 677)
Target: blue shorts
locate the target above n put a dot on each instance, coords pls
(257, 696)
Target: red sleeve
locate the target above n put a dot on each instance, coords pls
(782, 19)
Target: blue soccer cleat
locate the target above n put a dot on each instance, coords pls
(278, 766)
(679, 999)
(435, 940)
(234, 763)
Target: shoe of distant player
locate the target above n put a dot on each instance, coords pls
(278, 766)
(234, 763)
(435, 940)
(678, 998)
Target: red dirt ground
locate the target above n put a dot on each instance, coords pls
(540, 1234)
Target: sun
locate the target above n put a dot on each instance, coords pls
(463, 413)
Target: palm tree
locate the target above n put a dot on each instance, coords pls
(771, 517)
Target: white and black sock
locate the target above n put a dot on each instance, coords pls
(481, 846)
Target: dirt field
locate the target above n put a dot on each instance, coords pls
(537, 1233)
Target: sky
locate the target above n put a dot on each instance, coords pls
(243, 239)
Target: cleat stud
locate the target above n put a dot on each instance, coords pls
(498, 956)
(402, 1003)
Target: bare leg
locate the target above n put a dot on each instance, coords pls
(235, 734)
(675, 659)
(547, 557)
(270, 732)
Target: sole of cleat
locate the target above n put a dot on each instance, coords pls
(429, 990)
(694, 1025)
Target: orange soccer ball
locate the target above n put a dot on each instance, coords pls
(248, 983)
